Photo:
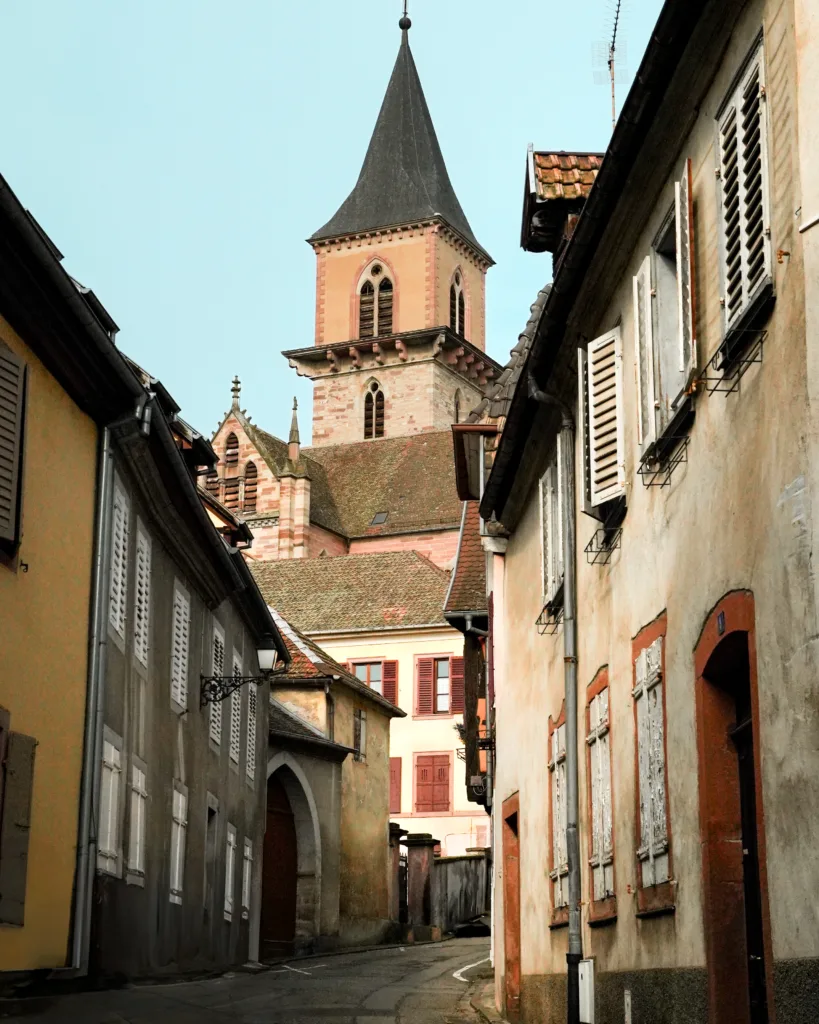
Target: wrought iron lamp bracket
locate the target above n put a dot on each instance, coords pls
(218, 688)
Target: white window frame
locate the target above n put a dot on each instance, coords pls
(179, 832)
(552, 500)
(180, 645)
(137, 820)
(230, 871)
(597, 740)
(653, 851)
(235, 745)
(247, 876)
(142, 595)
(120, 534)
(557, 773)
(252, 718)
(597, 491)
(109, 833)
(217, 668)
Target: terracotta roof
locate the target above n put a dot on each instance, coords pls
(355, 592)
(309, 661)
(565, 175)
(467, 592)
(368, 477)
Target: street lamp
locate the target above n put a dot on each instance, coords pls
(217, 688)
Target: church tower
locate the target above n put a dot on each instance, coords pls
(400, 287)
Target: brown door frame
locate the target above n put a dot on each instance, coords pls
(723, 892)
(510, 814)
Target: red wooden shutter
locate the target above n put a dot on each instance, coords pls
(424, 769)
(426, 677)
(456, 683)
(440, 783)
(389, 677)
(395, 785)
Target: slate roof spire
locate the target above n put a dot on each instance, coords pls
(404, 177)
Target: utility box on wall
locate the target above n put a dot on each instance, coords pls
(586, 978)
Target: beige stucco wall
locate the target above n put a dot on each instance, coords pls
(44, 639)
(419, 735)
(737, 514)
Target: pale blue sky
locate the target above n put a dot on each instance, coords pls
(180, 151)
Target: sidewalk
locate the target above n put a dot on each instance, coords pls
(482, 997)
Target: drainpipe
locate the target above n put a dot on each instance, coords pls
(575, 953)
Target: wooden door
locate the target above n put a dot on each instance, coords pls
(511, 906)
(279, 875)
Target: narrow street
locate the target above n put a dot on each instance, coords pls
(408, 985)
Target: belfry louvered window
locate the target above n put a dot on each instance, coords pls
(231, 450)
(232, 493)
(212, 483)
(142, 596)
(217, 669)
(120, 530)
(376, 297)
(744, 191)
(12, 401)
(251, 482)
(366, 310)
(457, 306)
(385, 295)
(180, 646)
(601, 402)
(373, 411)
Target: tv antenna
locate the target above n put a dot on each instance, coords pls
(612, 55)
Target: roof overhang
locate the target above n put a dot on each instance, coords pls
(466, 439)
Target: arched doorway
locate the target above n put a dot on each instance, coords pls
(735, 905)
(291, 867)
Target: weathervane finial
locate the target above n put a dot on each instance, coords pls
(405, 24)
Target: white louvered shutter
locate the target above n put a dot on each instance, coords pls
(12, 400)
(583, 428)
(230, 871)
(136, 838)
(602, 859)
(236, 713)
(108, 833)
(118, 595)
(557, 767)
(744, 192)
(648, 696)
(686, 275)
(179, 828)
(247, 871)
(180, 646)
(644, 356)
(217, 669)
(250, 757)
(142, 596)
(606, 449)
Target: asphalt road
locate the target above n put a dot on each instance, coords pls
(409, 985)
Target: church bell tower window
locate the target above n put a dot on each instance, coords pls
(457, 306)
(374, 411)
(375, 304)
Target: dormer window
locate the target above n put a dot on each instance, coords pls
(374, 411)
(457, 306)
(231, 450)
(375, 304)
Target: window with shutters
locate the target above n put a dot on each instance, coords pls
(236, 712)
(179, 832)
(376, 295)
(137, 822)
(251, 485)
(247, 875)
(373, 411)
(395, 785)
(232, 450)
(432, 783)
(598, 765)
(217, 664)
(744, 195)
(250, 755)
(439, 686)
(381, 676)
(559, 873)
(12, 425)
(120, 531)
(600, 370)
(360, 734)
(142, 595)
(457, 305)
(180, 645)
(551, 530)
(654, 849)
(230, 871)
(108, 834)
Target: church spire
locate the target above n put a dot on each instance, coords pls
(404, 178)
(293, 444)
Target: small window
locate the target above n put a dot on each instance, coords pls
(440, 686)
(179, 831)
(232, 450)
(373, 411)
(360, 734)
(379, 519)
(559, 873)
(251, 483)
(230, 871)
(441, 695)
(136, 825)
(247, 874)
(108, 841)
(375, 304)
(370, 673)
(457, 306)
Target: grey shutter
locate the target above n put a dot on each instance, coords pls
(684, 200)
(12, 401)
(644, 357)
(15, 828)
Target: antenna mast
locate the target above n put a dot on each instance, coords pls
(612, 51)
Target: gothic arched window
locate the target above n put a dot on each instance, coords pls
(374, 411)
(231, 450)
(375, 303)
(457, 306)
(251, 481)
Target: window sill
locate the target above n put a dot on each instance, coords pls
(560, 918)
(177, 899)
(603, 912)
(442, 715)
(655, 900)
(135, 878)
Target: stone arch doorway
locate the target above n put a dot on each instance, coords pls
(732, 829)
(291, 865)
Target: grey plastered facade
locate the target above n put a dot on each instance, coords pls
(734, 523)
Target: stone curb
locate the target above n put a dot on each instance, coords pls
(483, 1002)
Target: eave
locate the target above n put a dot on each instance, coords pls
(466, 440)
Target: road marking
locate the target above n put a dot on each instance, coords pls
(295, 970)
(459, 975)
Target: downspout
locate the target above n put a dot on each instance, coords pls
(575, 953)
